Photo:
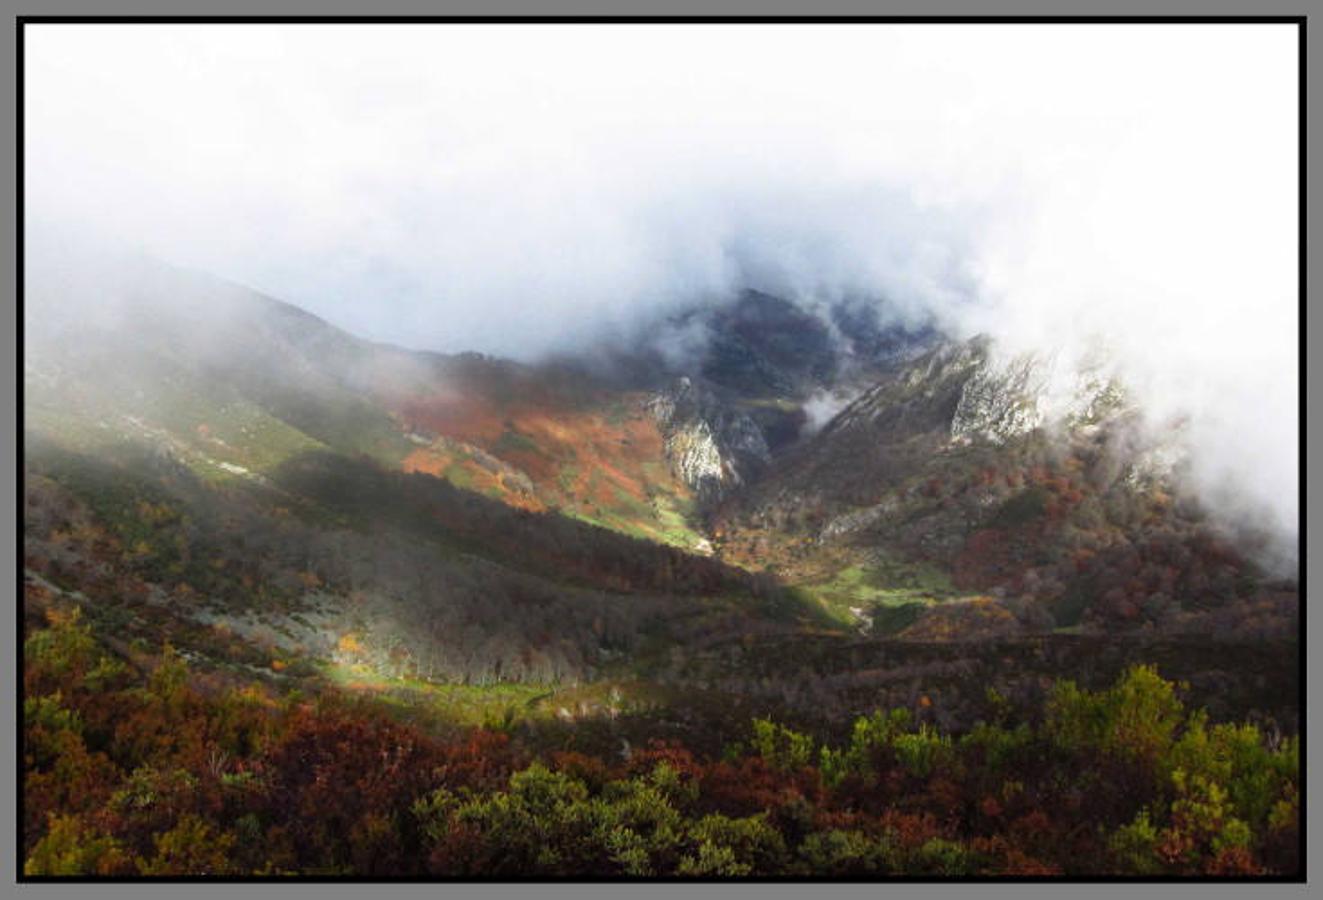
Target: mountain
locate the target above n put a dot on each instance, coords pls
(295, 601)
(1040, 498)
(757, 355)
(957, 484)
(240, 382)
(200, 455)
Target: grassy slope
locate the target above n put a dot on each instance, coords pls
(888, 590)
(588, 452)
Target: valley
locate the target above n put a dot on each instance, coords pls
(610, 556)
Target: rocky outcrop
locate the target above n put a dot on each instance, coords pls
(973, 392)
(711, 447)
(1000, 402)
(863, 472)
(857, 520)
(917, 399)
(1008, 397)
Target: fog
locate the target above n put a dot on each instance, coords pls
(522, 190)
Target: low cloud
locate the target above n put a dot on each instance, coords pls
(524, 190)
(823, 406)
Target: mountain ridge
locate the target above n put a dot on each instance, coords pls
(951, 468)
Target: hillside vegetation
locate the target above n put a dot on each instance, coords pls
(298, 603)
(137, 765)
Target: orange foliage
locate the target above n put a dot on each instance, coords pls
(581, 449)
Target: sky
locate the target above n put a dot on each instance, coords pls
(520, 190)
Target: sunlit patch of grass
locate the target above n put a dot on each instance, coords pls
(502, 703)
(883, 582)
(663, 521)
(772, 401)
(673, 517)
(459, 475)
(241, 433)
(605, 698)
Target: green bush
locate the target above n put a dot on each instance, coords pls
(71, 848)
(1134, 847)
(999, 745)
(869, 735)
(923, 752)
(1135, 719)
(941, 857)
(749, 843)
(842, 853)
(783, 749)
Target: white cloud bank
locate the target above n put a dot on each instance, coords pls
(513, 189)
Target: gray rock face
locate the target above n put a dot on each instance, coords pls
(1000, 402)
(1006, 398)
(857, 520)
(919, 398)
(711, 447)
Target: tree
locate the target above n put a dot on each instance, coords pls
(193, 847)
(70, 847)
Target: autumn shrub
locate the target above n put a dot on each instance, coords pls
(154, 770)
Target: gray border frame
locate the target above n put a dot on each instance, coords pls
(8, 447)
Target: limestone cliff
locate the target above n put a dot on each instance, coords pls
(711, 447)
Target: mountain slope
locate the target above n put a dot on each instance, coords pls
(965, 473)
(236, 383)
(200, 457)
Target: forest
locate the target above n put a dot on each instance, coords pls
(138, 765)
